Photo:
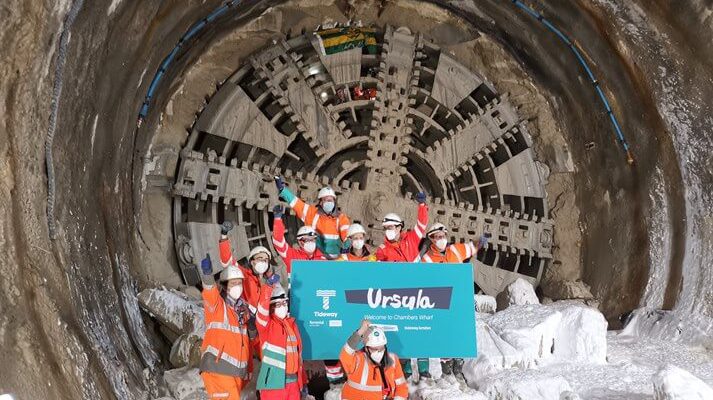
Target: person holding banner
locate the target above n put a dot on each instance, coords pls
(439, 251)
(282, 374)
(399, 245)
(357, 249)
(226, 361)
(325, 218)
(403, 246)
(306, 240)
(373, 372)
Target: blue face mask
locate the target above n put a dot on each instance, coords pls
(328, 206)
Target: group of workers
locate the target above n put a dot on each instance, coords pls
(247, 315)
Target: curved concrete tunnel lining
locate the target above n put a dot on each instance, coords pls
(80, 243)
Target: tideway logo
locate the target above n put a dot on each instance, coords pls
(410, 298)
(325, 295)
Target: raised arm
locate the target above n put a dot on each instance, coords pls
(278, 237)
(422, 219)
(210, 294)
(348, 354)
(304, 211)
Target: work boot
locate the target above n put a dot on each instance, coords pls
(457, 367)
(406, 368)
(446, 367)
(424, 375)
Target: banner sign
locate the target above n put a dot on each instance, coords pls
(427, 310)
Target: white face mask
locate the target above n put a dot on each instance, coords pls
(391, 234)
(235, 292)
(281, 312)
(358, 244)
(328, 206)
(309, 247)
(376, 356)
(260, 267)
(441, 244)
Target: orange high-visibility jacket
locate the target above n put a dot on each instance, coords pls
(406, 249)
(368, 256)
(332, 228)
(226, 345)
(287, 252)
(455, 253)
(252, 284)
(364, 381)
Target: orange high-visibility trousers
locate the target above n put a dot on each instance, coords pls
(222, 387)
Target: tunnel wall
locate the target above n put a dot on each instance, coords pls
(69, 323)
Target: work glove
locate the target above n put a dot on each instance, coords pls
(279, 183)
(207, 265)
(278, 211)
(273, 279)
(226, 227)
(483, 240)
(421, 198)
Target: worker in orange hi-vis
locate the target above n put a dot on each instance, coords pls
(440, 251)
(325, 218)
(306, 242)
(373, 372)
(255, 275)
(400, 246)
(226, 351)
(357, 249)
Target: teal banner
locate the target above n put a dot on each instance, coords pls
(427, 310)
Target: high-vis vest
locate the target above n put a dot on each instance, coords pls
(285, 251)
(406, 248)
(251, 282)
(281, 348)
(226, 345)
(368, 256)
(364, 380)
(455, 253)
(331, 228)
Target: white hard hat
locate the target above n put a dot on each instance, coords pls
(306, 231)
(437, 227)
(392, 219)
(326, 191)
(257, 250)
(231, 272)
(376, 337)
(354, 229)
(278, 293)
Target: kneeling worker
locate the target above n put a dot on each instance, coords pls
(373, 372)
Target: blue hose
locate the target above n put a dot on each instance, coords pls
(590, 74)
(191, 33)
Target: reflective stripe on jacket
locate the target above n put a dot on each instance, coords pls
(455, 253)
(285, 251)
(226, 345)
(281, 346)
(406, 248)
(331, 228)
(364, 381)
(252, 284)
